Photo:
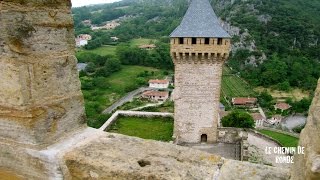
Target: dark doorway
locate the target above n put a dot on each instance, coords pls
(204, 138)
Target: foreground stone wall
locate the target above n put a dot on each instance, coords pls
(41, 104)
(40, 97)
(307, 166)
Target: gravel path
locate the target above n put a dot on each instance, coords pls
(125, 99)
(257, 151)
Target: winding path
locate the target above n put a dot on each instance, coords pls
(258, 146)
(125, 99)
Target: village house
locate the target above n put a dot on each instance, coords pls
(156, 95)
(82, 40)
(108, 26)
(87, 22)
(243, 101)
(87, 37)
(148, 46)
(158, 84)
(258, 119)
(275, 120)
(114, 38)
(282, 106)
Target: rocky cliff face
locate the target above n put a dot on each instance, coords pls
(40, 97)
(307, 165)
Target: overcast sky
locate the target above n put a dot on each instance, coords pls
(78, 3)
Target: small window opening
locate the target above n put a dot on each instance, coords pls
(219, 41)
(194, 40)
(180, 40)
(187, 55)
(204, 138)
(206, 40)
(193, 56)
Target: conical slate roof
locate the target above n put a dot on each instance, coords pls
(200, 21)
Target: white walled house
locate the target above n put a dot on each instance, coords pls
(158, 84)
(81, 42)
(258, 119)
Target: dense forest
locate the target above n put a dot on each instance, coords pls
(286, 32)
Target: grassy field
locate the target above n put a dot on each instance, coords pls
(102, 51)
(295, 94)
(119, 83)
(141, 41)
(167, 106)
(160, 129)
(285, 140)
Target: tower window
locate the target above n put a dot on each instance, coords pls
(180, 40)
(219, 41)
(206, 40)
(194, 40)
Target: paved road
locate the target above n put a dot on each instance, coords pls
(294, 121)
(125, 99)
(257, 149)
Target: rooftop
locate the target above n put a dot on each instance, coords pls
(243, 100)
(282, 106)
(157, 81)
(200, 21)
(257, 116)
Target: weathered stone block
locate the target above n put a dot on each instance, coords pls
(40, 97)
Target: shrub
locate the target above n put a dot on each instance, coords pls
(239, 119)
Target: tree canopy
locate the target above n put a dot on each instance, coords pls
(239, 119)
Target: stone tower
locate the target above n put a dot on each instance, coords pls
(199, 47)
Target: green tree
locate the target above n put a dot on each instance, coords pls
(265, 100)
(90, 67)
(239, 119)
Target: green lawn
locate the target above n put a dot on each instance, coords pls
(285, 140)
(233, 86)
(102, 51)
(120, 83)
(160, 129)
(167, 106)
(142, 41)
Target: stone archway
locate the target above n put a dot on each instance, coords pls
(204, 138)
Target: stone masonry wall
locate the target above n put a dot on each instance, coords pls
(40, 97)
(197, 94)
(198, 71)
(307, 165)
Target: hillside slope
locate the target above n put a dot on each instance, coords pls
(275, 42)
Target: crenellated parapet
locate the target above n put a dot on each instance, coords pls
(200, 50)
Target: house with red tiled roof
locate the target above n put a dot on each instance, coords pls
(244, 101)
(258, 119)
(158, 84)
(156, 95)
(282, 106)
